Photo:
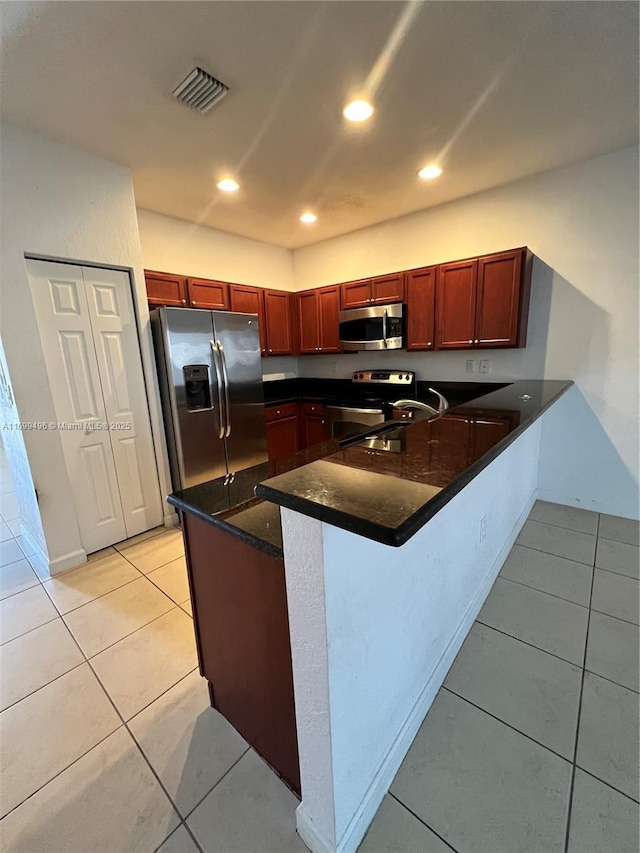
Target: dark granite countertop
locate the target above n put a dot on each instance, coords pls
(384, 489)
(280, 391)
(234, 506)
(389, 494)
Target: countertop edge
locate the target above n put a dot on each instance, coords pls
(228, 527)
(398, 536)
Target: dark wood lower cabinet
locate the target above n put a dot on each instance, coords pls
(283, 430)
(241, 621)
(314, 430)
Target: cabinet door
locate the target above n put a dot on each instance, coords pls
(248, 300)
(165, 289)
(450, 448)
(356, 293)
(456, 288)
(208, 294)
(314, 430)
(498, 299)
(388, 288)
(308, 321)
(282, 438)
(421, 308)
(329, 308)
(277, 310)
(485, 433)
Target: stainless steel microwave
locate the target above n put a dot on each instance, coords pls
(376, 327)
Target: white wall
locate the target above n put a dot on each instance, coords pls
(171, 245)
(374, 630)
(581, 222)
(60, 203)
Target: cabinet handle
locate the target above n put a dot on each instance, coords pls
(470, 342)
(194, 303)
(184, 301)
(272, 350)
(429, 343)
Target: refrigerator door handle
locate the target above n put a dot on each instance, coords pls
(219, 377)
(226, 388)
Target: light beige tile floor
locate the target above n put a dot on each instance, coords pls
(119, 749)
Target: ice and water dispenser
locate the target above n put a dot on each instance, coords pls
(197, 387)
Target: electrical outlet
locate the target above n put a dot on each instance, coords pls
(485, 363)
(482, 533)
(471, 365)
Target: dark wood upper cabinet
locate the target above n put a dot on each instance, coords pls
(355, 294)
(278, 322)
(456, 288)
(387, 288)
(329, 309)
(502, 299)
(248, 300)
(166, 289)
(204, 293)
(318, 320)
(378, 290)
(308, 321)
(421, 308)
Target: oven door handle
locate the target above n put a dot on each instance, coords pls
(353, 410)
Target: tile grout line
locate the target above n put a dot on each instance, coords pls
(568, 600)
(577, 738)
(131, 735)
(430, 828)
(174, 606)
(608, 784)
(91, 600)
(505, 723)
(506, 634)
(226, 773)
(614, 572)
(552, 554)
(563, 526)
(537, 589)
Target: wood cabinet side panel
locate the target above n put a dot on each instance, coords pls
(421, 308)
(243, 625)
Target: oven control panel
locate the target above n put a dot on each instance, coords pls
(384, 377)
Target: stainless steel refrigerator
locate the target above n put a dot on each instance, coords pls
(210, 378)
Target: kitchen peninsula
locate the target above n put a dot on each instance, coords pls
(323, 645)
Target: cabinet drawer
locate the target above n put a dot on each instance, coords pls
(275, 413)
(313, 409)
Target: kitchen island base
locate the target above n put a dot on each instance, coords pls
(374, 630)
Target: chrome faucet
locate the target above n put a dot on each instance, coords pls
(443, 404)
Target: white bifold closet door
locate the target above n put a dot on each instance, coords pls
(90, 344)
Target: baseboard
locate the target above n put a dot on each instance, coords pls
(73, 560)
(316, 842)
(171, 519)
(381, 783)
(39, 559)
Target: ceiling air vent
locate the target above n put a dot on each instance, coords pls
(200, 91)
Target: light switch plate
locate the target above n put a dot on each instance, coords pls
(485, 363)
(471, 365)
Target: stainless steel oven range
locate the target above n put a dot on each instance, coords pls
(368, 403)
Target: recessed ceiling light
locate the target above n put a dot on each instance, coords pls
(358, 110)
(228, 185)
(430, 172)
(308, 217)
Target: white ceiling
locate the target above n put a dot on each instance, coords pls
(492, 90)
